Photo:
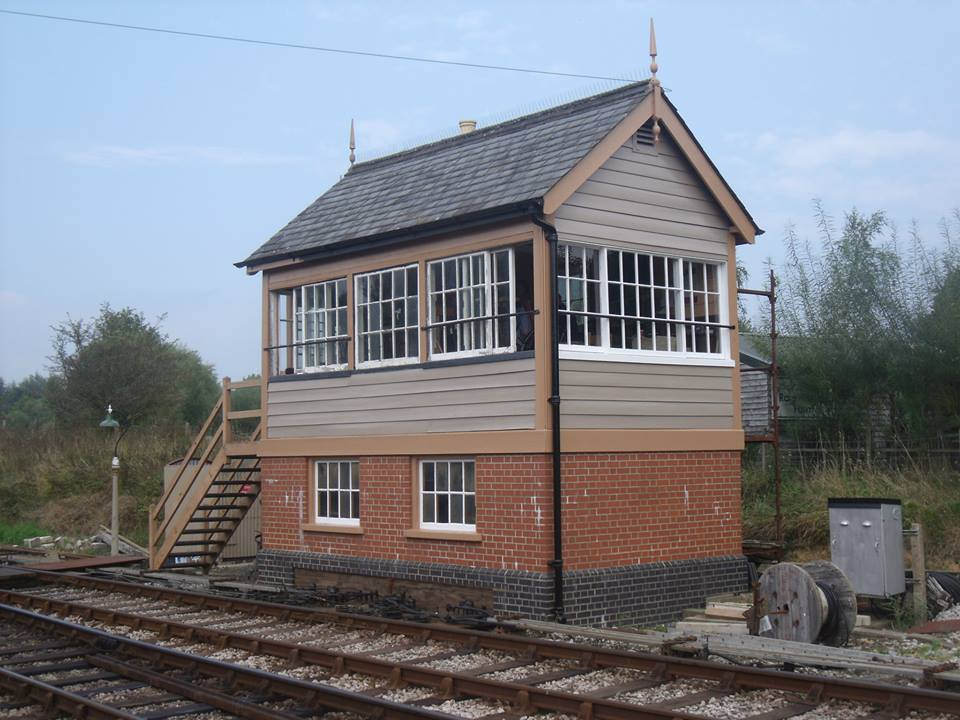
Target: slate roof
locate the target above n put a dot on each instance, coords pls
(495, 167)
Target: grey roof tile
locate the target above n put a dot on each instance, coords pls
(493, 167)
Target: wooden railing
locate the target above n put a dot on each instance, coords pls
(215, 444)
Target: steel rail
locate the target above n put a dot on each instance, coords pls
(51, 698)
(737, 677)
(312, 695)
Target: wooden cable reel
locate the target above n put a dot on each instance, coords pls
(814, 602)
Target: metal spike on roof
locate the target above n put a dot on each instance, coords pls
(655, 82)
(353, 144)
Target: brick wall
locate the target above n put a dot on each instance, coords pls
(620, 509)
(637, 508)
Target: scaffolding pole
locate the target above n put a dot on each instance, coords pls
(772, 369)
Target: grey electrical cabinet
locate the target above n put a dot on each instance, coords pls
(866, 543)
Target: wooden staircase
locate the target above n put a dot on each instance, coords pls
(216, 484)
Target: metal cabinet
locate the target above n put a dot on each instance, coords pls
(866, 542)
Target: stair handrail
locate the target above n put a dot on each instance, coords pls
(155, 508)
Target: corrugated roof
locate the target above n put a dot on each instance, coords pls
(493, 167)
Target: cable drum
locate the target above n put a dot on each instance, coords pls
(814, 602)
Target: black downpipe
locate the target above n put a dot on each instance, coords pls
(557, 562)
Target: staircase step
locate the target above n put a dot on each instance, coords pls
(192, 554)
(234, 495)
(205, 532)
(235, 482)
(239, 469)
(222, 507)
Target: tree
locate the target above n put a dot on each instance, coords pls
(844, 311)
(24, 404)
(124, 360)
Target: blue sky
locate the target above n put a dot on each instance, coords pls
(135, 168)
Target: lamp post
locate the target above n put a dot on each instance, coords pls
(109, 423)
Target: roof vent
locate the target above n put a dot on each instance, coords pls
(643, 137)
(467, 126)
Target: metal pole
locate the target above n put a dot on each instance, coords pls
(775, 407)
(115, 491)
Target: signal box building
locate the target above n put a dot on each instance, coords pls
(448, 326)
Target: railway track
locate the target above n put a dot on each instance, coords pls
(464, 672)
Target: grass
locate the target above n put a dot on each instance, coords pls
(60, 479)
(930, 497)
(14, 533)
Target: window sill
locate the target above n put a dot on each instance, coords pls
(442, 535)
(324, 528)
(620, 357)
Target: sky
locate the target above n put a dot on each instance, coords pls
(136, 168)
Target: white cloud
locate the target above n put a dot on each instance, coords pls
(853, 146)
(113, 155)
(9, 298)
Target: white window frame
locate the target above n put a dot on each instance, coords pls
(327, 519)
(359, 338)
(489, 325)
(604, 352)
(300, 328)
(447, 526)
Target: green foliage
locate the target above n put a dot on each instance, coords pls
(14, 533)
(122, 359)
(61, 480)
(24, 404)
(872, 331)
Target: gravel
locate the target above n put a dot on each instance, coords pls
(667, 691)
(460, 663)
(739, 705)
(539, 668)
(470, 708)
(594, 680)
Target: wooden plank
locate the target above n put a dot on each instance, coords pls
(660, 185)
(646, 409)
(648, 197)
(748, 646)
(638, 369)
(377, 404)
(82, 563)
(472, 410)
(646, 394)
(280, 394)
(448, 425)
(646, 422)
(636, 223)
(640, 209)
(420, 374)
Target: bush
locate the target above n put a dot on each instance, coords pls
(62, 479)
(930, 497)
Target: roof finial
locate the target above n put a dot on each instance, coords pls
(353, 144)
(654, 82)
(653, 55)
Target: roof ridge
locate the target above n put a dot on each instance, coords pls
(505, 125)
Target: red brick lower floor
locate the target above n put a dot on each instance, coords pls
(619, 509)
(644, 534)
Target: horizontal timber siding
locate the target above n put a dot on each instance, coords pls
(610, 395)
(647, 197)
(469, 397)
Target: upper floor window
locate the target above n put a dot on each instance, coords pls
(320, 317)
(388, 314)
(471, 304)
(625, 301)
